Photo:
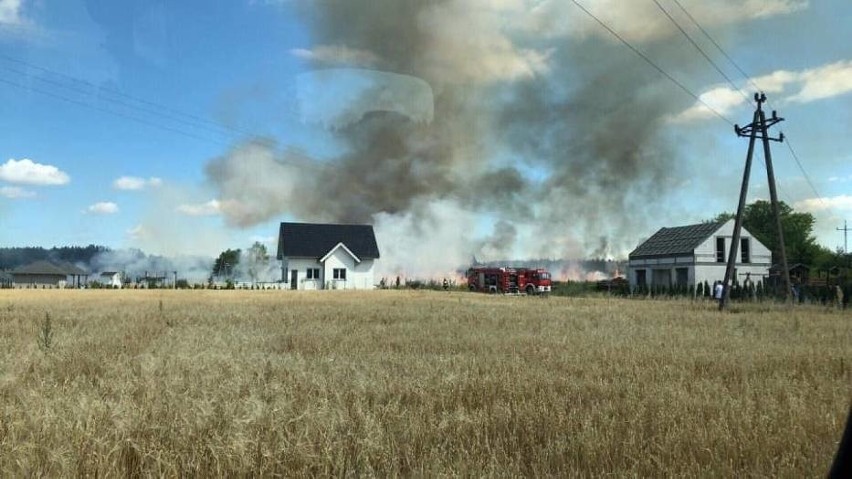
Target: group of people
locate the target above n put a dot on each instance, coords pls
(719, 290)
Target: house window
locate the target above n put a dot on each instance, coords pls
(745, 253)
(640, 277)
(339, 273)
(313, 273)
(720, 250)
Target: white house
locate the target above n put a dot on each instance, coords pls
(110, 279)
(327, 256)
(689, 255)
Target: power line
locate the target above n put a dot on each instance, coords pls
(681, 85)
(718, 47)
(804, 173)
(106, 110)
(747, 78)
(166, 110)
(86, 92)
(651, 62)
(221, 142)
(701, 50)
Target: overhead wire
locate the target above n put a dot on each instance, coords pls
(105, 110)
(652, 63)
(701, 50)
(219, 139)
(90, 88)
(749, 79)
(716, 44)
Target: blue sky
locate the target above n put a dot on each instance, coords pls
(113, 111)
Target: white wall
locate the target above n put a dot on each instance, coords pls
(113, 281)
(358, 275)
(706, 251)
(302, 265)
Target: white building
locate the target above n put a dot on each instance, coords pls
(110, 279)
(689, 255)
(327, 256)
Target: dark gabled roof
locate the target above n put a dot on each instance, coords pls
(47, 267)
(311, 240)
(675, 241)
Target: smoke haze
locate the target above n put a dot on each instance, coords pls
(543, 138)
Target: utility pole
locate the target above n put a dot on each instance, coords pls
(758, 128)
(845, 231)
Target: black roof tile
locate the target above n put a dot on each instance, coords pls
(313, 240)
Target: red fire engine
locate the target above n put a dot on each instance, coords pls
(509, 280)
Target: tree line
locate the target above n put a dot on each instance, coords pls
(797, 227)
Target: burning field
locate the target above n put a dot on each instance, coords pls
(402, 383)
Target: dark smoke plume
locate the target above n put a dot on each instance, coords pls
(555, 137)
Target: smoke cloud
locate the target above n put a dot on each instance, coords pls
(498, 129)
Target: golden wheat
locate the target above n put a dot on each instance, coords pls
(399, 383)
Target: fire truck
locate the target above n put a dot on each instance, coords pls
(509, 280)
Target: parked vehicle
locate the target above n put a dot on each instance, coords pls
(530, 281)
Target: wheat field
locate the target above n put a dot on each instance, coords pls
(415, 383)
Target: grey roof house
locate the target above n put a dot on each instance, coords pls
(692, 254)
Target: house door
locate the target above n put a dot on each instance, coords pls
(294, 279)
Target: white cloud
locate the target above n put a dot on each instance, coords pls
(721, 99)
(15, 192)
(803, 86)
(337, 55)
(10, 12)
(103, 208)
(640, 21)
(824, 82)
(834, 203)
(27, 172)
(137, 232)
(134, 183)
(210, 208)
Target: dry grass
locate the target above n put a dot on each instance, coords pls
(212, 383)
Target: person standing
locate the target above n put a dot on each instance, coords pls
(838, 295)
(718, 290)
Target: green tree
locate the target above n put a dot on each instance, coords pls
(759, 220)
(226, 263)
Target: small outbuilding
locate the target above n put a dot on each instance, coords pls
(327, 256)
(694, 254)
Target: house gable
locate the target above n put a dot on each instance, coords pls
(340, 246)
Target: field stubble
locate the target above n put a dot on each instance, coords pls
(400, 383)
